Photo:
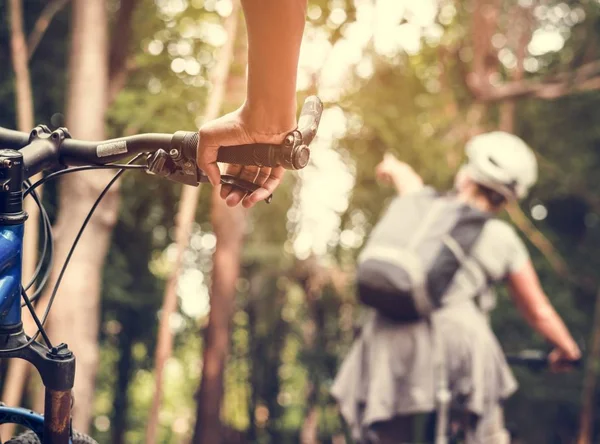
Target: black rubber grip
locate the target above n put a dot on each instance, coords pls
(527, 361)
(254, 155)
(537, 361)
(187, 143)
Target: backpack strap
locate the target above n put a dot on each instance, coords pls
(456, 247)
(488, 280)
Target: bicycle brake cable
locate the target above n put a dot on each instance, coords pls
(111, 166)
(122, 168)
(81, 230)
(47, 243)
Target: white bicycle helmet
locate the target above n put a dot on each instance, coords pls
(502, 162)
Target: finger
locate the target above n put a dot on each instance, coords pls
(267, 188)
(263, 175)
(212, 171)
(247, 173)
(231, 170)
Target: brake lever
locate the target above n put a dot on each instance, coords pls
(175, 167)
(244, 185)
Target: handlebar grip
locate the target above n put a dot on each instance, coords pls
(259, 154)
(536, 360)
(265, 155)
(528, 361)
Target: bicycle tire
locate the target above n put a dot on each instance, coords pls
(31, 438)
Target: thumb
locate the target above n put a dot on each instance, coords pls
(213, 173)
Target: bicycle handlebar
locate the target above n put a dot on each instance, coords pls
(172, 155)
(536, 360)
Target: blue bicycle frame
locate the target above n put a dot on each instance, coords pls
(56, 365)
(11, 245)
(26, 418)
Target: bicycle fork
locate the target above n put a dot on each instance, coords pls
(56, 365)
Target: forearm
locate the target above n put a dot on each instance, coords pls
(536, 307)
(405, 179)
(275, 29)
(547, 323)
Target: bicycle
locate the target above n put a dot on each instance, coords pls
(424, 428)
(23, 155)
(534, 360)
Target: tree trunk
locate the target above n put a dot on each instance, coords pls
(588, 397)
(119, 49)
(25, 122)
(312, 278)
(124, 370)
(18, 370)
(24, 99)
(253, 348)
(184, 221)
(310, 426)
(42, 23)
(229, 225)
(522, 36)
(75, 316)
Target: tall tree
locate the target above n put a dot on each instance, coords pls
(124, 370)
(229, 226)
(16, 372)
(21, 51)
(184, 221)
(24, 98)
(118, 69)
(74, 318)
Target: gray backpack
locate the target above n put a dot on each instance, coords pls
(413, 253)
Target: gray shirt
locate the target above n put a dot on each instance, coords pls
(391, 368)
(497, 252)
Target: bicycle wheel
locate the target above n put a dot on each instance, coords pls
(31, 438)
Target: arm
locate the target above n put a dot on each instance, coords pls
(539, 313)
(399, 174)
(275, 29)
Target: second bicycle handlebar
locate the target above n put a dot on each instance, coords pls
(536, 360)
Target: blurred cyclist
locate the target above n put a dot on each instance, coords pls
(405, 362)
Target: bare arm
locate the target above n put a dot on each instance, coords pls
(399, 174)
(275, 29)
(537, 310)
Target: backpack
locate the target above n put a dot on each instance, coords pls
(413, 253)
